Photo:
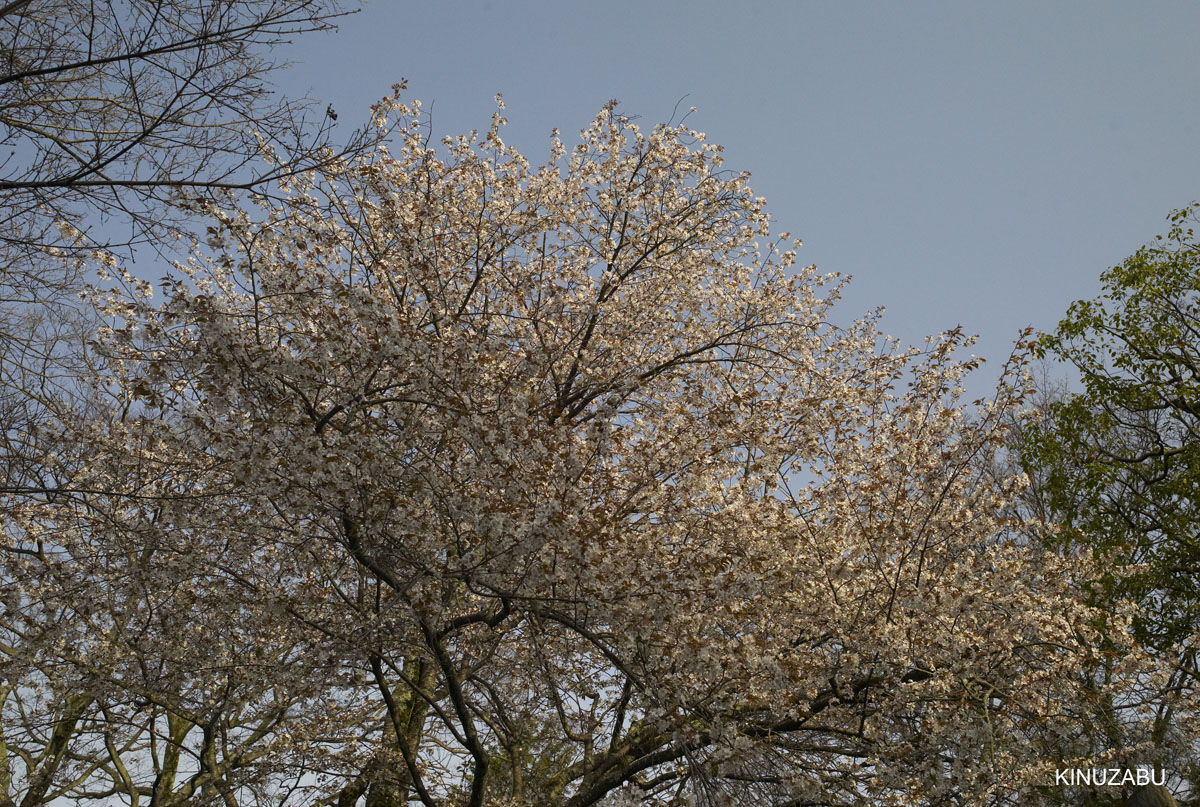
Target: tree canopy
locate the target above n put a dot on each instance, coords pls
(1118, 464)
(453, 480)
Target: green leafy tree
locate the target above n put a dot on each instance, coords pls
(1117, 466)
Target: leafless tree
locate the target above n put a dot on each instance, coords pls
(112, 106)
(113, 113)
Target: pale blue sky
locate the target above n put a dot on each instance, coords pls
(968, 163)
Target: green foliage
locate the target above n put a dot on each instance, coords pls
(1119, 463)
(1116, 474)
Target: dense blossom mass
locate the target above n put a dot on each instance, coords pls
(455, 481)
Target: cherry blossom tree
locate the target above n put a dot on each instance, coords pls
(452, 480)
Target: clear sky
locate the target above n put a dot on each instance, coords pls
(968, 163)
